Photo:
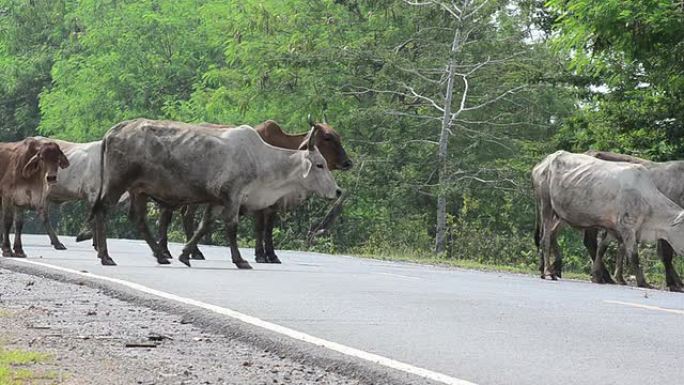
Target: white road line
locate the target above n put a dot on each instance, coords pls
(649, 307)
(398, 275)
(334, 346)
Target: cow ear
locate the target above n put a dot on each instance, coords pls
(63, 161)
(307, 167)
(31, 167)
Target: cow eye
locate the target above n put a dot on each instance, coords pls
(320, 165)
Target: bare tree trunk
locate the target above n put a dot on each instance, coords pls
(442, 154)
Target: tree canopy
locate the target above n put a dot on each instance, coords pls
(497, 84)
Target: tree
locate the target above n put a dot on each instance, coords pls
(31, 33)
(441, 74)
(627, 57)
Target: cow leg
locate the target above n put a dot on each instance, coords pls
(202, 230)
(557, 266)
(632, 251)
(231, 217)
(138, 214)
(165, 218)
(594, 246)
(269, 220)
(231, 233)
(597, 268)
(619, 265)
(93, 233)
(44, 216)
(18, 227)
(550, 226)
(259, 227)
(188, 214)
(604, 241)
(7, 218)
(672, 279)
(100, 235)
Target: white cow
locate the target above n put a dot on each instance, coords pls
(586, 192)
(80, 181)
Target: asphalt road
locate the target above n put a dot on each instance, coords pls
(485, 328)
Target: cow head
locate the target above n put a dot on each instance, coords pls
(317, 178)
(48, 158)
(329, 143)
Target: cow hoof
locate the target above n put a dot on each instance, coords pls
(597, 278)
(261, 259)
(59, 246)
(19, 254)
(107, 261)
(7, 253)
(197, 255)
(185, 259)
(244, 265)
(554, 277)
(163, 260)
(677, 289)
(84, 236)
(167, 254)
(273, 259)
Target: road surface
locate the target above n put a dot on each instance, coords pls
(480, 327)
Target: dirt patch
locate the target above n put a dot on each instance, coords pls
(94, 339)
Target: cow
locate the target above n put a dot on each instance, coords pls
(666, 176)
(586, 192)
(329, 143)
(178, 164)
(29, 169)
(81, 181)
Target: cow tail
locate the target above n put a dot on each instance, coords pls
(98, 205)
(98, 201)
(537, 227)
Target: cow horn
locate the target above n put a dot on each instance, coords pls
(312, 138)
(310, 120)
(325, 118)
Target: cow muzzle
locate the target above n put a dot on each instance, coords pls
(51, 179)
(346, 165)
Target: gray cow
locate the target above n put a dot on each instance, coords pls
(177, 164)
(586, 193)
(667, 177)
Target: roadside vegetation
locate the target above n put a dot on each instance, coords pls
(443, 106)
(17, 366)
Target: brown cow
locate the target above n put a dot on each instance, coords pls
(329, 144)
(29, 169)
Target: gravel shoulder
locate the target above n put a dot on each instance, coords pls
(92, 338)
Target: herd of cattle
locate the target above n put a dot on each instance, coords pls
(261, 170)
(233, 170)
(627, 198)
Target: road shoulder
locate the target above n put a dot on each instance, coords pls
(100, 334)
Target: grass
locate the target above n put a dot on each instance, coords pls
(656, 279)
(15, 368)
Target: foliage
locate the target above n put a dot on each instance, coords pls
(632, 53)
(72, 69)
